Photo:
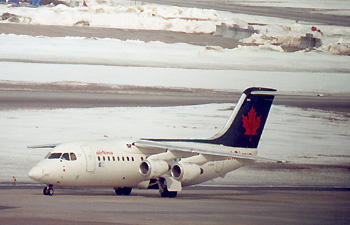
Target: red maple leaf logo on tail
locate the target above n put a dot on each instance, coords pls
(251, 123)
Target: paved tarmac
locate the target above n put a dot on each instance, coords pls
(196, 205)
(121, 34)
(48, 96)
(38, 96)
(313, 15)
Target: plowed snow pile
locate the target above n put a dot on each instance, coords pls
(133, 15)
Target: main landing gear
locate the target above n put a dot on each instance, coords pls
(123, 191)
(163, 189)
(168, 194)
(48, 190)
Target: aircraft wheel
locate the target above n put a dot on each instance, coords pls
(127, 191)
(123, 191)
(164, 194)
(172, 194)
(48, 191)
(118, 191)
(168, 194)
(45, 191)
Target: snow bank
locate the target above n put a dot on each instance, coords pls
(335, 40)
(121, 16)
(128, 15)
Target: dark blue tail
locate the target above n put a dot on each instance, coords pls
(246, 123)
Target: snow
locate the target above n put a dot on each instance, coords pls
(76, 50)
(170, 65)
(127, 15)
(293, 134)
(231, 80)
(122, 15)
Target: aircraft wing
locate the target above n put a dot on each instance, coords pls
(43, 146)
(163, 146)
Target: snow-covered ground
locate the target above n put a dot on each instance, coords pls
(111, 61)
(226, 80)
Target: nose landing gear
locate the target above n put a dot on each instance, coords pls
(48, 190)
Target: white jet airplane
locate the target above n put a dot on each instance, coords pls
(164, 164)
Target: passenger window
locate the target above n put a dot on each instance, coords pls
(99, 158)
(65, 156)
(127, 158)
(104, 158)
(132, 159)
(109, 159)
(73, 156)
(123, 158)
(55, 155)
(113, 158)
(118, 158)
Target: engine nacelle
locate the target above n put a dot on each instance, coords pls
(184, 172)
(153, 168)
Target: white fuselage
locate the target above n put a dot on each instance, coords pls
(113, 164)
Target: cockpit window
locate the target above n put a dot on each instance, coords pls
(65, 156)
(48, 154)
(55, 155)
(73, 156)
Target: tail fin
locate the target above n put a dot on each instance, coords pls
(246, 123)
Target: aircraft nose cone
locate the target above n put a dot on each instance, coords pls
(36, 173)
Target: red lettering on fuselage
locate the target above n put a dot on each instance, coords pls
(102, 152)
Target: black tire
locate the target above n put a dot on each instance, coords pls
(172, 194)
(168, 194)
(127, 191)
(45, 191)
(165, 193)
(118, 191)
(50, 191)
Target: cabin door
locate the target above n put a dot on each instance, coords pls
(90, 158)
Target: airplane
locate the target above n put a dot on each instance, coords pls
(164, 164)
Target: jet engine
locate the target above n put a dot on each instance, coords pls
(185, 171)
(153, 168)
